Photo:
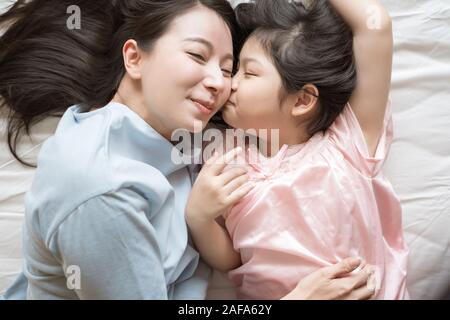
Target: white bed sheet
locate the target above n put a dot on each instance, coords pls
(419, 162)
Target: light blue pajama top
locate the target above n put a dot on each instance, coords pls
(107, 204)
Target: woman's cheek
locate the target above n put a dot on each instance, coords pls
(188, 71)
(226, 92)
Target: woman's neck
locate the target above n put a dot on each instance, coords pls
(130, 96)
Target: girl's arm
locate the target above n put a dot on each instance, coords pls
(372, 46)
(214, 244)
(214, 191)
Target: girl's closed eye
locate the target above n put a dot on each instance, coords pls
(246, 73)
(250, 74)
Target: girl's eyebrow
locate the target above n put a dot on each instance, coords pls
(228, 56)
(247, 60)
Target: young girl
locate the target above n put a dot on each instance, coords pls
(321, 197)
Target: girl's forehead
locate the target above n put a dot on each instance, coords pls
(253, 51)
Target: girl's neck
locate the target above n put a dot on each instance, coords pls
(269, 149)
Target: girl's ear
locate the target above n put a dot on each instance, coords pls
(306, 100)
(132, 57)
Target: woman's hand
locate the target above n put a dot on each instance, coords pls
(336, 282)
(215, 190)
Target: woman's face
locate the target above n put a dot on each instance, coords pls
(255, 96)
(186, 77)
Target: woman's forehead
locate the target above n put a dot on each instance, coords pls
(202, 23)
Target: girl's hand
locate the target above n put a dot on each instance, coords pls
(336, 282)
(214, 191)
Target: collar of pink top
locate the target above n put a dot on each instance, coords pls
(264, 167)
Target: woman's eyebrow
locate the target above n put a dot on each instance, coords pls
(209, 45)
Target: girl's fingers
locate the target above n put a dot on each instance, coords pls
(238, 194)
(211, 160)
(217, 164)
(235, 184)
(230, 175)
(231, 154)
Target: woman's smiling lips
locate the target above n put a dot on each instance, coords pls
(203, 106)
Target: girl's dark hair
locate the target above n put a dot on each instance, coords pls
(45, 67)
(308, 42)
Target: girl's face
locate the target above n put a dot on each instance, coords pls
(186, 77)
(255, 95)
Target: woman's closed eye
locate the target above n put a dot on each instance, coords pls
(227, 73)
(197, 56)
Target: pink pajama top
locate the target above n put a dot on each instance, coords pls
(313, 205)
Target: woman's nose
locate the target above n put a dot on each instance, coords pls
(215, 80)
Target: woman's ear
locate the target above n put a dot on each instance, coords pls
(132, 57)
(306, 100)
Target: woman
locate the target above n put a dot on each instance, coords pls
(105, 213)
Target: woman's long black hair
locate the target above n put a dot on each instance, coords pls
(45, 66)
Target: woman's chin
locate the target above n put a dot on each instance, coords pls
(198, 126)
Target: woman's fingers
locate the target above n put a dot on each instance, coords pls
(360, 279)
(335, 282)
(364, 292)
(341, 268)
(359, 285)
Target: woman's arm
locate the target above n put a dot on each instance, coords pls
(372, 45)
(114, 248)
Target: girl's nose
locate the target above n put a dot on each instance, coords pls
(234, 83)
